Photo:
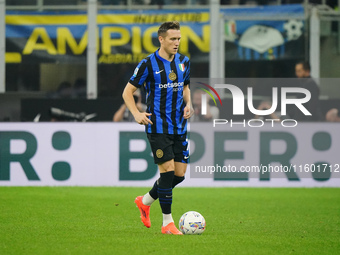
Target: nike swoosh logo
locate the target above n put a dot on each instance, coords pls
(157, 72)
(186, 157)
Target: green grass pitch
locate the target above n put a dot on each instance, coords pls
(93, 220)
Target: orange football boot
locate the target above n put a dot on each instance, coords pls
(170, 229)
(144, 211)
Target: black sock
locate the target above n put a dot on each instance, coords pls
(177, 180)
(165, 191)
(154, 191)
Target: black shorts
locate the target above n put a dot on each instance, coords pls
(166, 147)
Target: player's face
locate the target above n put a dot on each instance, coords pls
(170, 42)
(299, 71)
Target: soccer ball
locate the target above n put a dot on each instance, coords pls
(192, 223)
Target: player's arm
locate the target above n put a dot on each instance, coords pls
(188, 109)
(140, 117)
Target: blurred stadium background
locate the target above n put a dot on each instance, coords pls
(46, 58)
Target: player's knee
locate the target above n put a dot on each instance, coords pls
(180, 172)
(166, 166)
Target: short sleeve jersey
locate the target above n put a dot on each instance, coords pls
(164, 82)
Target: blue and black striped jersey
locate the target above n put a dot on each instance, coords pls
(164, 82)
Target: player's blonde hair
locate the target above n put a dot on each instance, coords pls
(168, 25)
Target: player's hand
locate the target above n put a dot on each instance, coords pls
(188, 112)
(142, 118)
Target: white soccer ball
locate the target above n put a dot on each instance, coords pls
(192, 223)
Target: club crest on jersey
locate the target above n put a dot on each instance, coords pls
(181, 67)
(172, 75)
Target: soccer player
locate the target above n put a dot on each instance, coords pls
(165, 75)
